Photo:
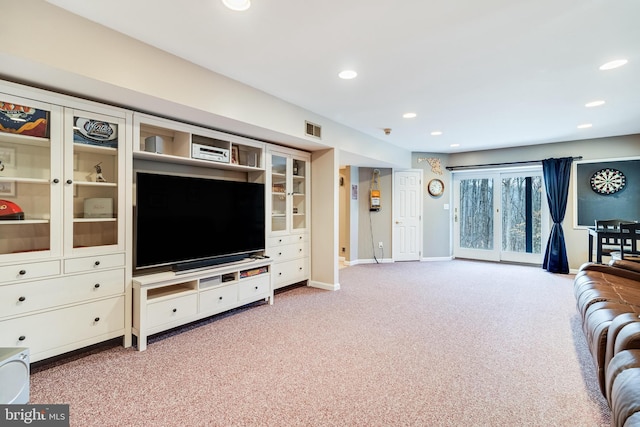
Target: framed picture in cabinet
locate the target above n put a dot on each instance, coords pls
(7, 188)
(234, 154)
(23, 120)
(7, 158)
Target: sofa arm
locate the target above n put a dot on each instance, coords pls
(613, 270)
(627, 265)
(628, 338)
(623, 377)
(618, 324)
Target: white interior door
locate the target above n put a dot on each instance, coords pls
(407, 217)
(500, 215)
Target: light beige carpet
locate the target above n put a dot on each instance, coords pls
(456, 343)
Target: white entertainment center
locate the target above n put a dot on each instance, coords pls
(165, 300)
(67, 274)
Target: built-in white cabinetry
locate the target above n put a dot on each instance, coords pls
(67, 192)
(63, 271)
(165, 300)
(167, 141)
(288, 208)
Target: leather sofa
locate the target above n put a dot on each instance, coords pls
(608, 301)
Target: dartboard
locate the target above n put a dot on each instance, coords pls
(607, 181)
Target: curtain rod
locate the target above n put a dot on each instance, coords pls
(488, 165)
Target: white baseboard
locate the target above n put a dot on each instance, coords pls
(370, 261)
(442, 258)
(325, 286)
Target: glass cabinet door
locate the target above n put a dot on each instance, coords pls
(279, 191)
(299, 194)
(29, 178)
(93, 166)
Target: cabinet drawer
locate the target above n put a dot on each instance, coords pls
(287, 273)
(272, 242)
(98, 262)
(29, 271)
(47, 331)
(173, 309)
(287, 252)
(215, 300)
(22, 298)
(254, 287)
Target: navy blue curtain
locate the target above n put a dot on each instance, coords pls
(556, 174)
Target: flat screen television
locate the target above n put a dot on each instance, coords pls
(187, 222)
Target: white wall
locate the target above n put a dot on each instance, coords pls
(57, 50)
(438, 224)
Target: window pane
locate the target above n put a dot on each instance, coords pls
(476, 213)
(521, 214)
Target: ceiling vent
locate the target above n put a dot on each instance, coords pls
(313, 130)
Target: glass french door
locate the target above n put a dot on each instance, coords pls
(500, 216)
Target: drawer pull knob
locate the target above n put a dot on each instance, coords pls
(300, 268)
(280, 274)
(21, 299)
(174, 310)
(22, 272)
(22, 338)
(97, 263)
(97, 285)
(256, 288)
(56, 180)
(97, 319)
(69, 181)
(220, 298)
(279, 240)
(279, 253)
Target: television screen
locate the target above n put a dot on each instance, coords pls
(186, 219)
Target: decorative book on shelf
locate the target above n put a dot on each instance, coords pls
(253, 272)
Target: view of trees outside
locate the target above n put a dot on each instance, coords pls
(476, 213)
(514, 220)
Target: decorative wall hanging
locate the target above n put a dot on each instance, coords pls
(434, 162)
(608, 181)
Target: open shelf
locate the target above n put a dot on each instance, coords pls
(171, 291)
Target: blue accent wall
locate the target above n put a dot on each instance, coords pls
(624, 204)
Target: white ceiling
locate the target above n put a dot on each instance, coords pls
(488, 74)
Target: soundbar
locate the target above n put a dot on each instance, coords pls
(207, 152)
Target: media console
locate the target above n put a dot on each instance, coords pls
(162, 301)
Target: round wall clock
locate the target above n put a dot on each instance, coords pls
(608, 181)
(435, 187)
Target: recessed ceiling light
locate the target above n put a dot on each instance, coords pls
(585, 126)
(594, 104)
(238, 5)
(436, 133)
(409, 115)
(347, 74)
(454, 145)
(613, 64)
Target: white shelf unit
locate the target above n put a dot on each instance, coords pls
(63, 277)
(288, 207)
(162, 301)
(177, 139)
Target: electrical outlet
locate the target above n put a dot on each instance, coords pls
(379, 245)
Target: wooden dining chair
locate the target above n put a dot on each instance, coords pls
(609, 244)
(629, 249)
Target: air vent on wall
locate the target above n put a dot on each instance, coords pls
(313, 129)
